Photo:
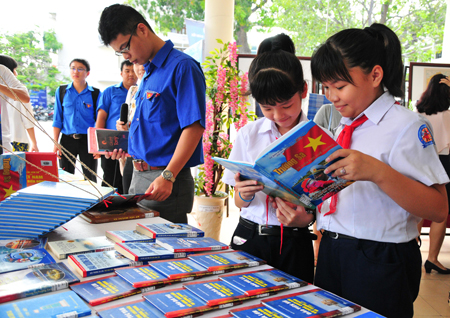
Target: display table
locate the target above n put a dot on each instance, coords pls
(78, 228)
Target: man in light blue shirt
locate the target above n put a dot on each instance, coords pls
(73, 116)
(108, 113)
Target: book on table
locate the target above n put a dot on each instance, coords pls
(103, 290)
(292, 167)
(101, 140)
(134, 309)
(224, 260)
(146, 251)
(262, 281)
(180, 268)
(99, 262)
(118, 208)
(62, 249)
(216, 292)
(40, 279)
(191, 244)
(145, 276)
(66, 304)
(128, 236)
(16, 254)
(317, 302)
(255, 311)
(179, 302)
(46, 161)
(13, 172)
(169, 230)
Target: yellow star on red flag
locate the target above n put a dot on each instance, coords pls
(315, 142)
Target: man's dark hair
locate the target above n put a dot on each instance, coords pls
(82, 61)
(125, 62)
(119, 19)
(9, 62)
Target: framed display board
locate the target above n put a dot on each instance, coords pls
(419, 76)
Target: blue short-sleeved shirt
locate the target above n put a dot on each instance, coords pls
(170, 98)
(79, 113)
(111, 101)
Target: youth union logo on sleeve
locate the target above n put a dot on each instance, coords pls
(425, 136)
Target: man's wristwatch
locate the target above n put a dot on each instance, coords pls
(168, 175)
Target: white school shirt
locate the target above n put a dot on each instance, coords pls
(396, 136)
(250, 141)
(6, 76)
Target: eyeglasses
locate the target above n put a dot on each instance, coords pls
(126, 49)
(73, 69)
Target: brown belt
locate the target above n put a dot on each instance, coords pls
(141, 165)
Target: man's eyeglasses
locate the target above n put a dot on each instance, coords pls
(73, 69)
(127, 46)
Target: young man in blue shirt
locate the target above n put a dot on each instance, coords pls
(108, 113)
(166, 131)
(73, 117)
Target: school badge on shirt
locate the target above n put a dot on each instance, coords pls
(151, 95)
(425, 136)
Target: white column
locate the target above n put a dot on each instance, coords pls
(219, 20)
(446, 41)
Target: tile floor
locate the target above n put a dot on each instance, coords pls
(434, 288)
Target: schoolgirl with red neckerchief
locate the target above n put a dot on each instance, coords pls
(369, 253)
(277, 84)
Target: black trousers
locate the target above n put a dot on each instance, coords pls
(127, 174)
(383, 277)
(296, 257)
(111, 173)
(78, 147)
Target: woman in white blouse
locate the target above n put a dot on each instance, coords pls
(434, 105)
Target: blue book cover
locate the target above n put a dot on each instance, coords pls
(177, 302)
(216, 292)
(144, 276)
(63, 248)
(103, 290)
(169, 230)
(36, 217)
(48, 201)
(67, 192)
(42, 278)
(130, 236)
(134, 309)
(226, 260)
(255, 311)
(317, 302)
(191, 244)
(21, 253)
(180, 268)
(90, 264)
(146, 251)
(48, 306)
(37, 206)
(292, 166)
(13, 172)
(263, 281)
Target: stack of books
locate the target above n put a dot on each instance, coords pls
(36, 210)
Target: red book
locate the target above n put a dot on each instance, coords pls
(44, 160)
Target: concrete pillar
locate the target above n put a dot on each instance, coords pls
(219, 20)
(446, 41)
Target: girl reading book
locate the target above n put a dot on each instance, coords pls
(369, 253)
(277, 84)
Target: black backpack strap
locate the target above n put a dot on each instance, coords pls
(62, 92)
(95, 94)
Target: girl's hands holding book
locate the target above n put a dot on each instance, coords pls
(246, 190)
(292, 215)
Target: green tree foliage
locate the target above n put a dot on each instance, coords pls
(32, 51)
(419, 24)
(170, 14)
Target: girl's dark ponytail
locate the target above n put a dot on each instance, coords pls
(393, 64)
